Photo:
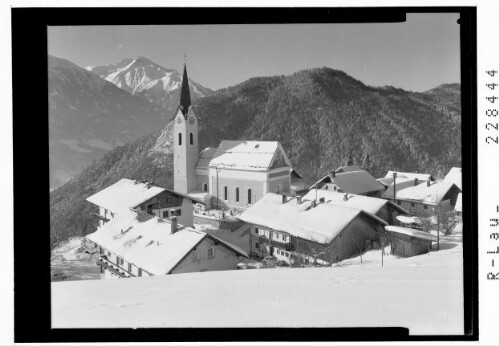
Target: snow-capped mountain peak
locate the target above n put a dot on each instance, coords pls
(142, 76)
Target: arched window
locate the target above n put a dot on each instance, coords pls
(205, 187)
(191, 138)
(237, 194)
(225, 193)
(179, 139)
(249, 196)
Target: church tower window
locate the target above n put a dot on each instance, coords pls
(192, 138)
(179, 139)
(225, 194)
(249, 196)
(237, 194)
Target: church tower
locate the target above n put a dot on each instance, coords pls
(185, 137)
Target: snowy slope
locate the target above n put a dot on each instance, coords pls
(423, 293)
(141, 76)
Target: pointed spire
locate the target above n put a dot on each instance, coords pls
(185, 96)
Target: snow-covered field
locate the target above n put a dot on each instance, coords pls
(423, 293)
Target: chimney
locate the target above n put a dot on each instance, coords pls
(148, 184)
(313, 203)
(322, 200)
(345, 197)
(135, 181)
(284, 199)
(333, 173)
(428, 183)
(174, 226)
(416, 181)
(298, 199)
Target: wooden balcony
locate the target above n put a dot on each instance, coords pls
(273, 242)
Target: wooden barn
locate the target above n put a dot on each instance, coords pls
(297, 230)
(407, 242)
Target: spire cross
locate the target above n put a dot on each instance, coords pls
(185, 58)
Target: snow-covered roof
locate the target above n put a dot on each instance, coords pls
(126, 194)
(123, 195)
(408, 219)
(401, 184)
(199, 195)
(205, 157)
(321, 223)
(411, 232)
(423, 193)
(368, 204)
(459, 203)
(455, 176)
(247, 155)
(410, 175)
(147, 241)
(358, 182)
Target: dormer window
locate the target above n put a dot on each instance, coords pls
(257, 146)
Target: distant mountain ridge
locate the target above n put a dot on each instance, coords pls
(141, 76)
(89, 116)
(322, 117)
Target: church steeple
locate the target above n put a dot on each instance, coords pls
(185, 96)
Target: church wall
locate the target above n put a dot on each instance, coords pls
(257, 192)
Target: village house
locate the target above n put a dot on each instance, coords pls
(135, 244)
(455, 176)
(293, 229)
(422, 198)
(407, 242)
(458, 208)
(143, 196)
(382, 208)
(349, 179)
(236, 174)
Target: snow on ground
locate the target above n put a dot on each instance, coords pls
(69, 261)
(423, 293)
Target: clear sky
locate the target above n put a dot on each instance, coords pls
(417, 55)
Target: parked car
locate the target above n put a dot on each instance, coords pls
(269, 261)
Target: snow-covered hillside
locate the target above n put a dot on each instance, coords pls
(73, 259)
(141, 76)
(423, 293)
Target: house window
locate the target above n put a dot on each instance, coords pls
(179, 139)
(256, 245)
(398, 202)
(237, 194)
(278, 251)
(205, 187)
(287, 254)
(335, 188)
(179, 212)
(101, 250)
(191, 138)
(109, 254)
(129, 267)
(412, 204)
(425, 206)
(225, 193)
(256, 230)
(140, 272)
(120, 261)
(211, 252)
(284, 238)
(249, 196)
(195, 255)
(165, 213)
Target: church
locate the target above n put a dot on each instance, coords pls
(235, 175)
